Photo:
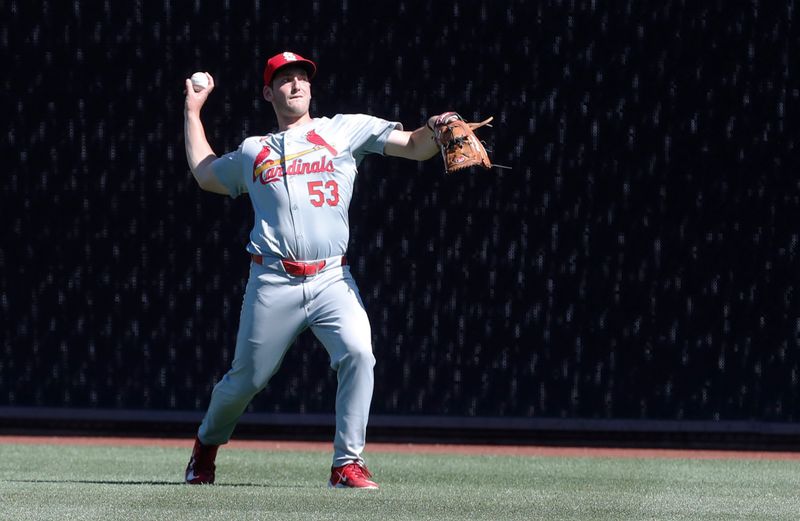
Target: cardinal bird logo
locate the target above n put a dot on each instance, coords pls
(261, 157)
(318, 141)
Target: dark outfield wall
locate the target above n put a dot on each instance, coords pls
(640, 260)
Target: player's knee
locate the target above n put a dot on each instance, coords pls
(363, 355)
(243, 386)
(355, 355)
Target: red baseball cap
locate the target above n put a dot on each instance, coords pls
(287, 58)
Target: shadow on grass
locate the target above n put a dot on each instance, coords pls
(172, 483)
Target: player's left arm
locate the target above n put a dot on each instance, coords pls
(417, 145)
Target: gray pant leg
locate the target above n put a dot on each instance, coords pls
(272, 316)
(340, 322)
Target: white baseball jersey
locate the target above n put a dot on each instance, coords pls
(301, 181)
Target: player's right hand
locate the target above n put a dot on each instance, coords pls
(195, 100)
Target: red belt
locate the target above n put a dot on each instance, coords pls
(298, 268)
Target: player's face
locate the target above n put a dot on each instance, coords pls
(290, 92)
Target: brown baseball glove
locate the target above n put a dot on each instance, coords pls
(456, 138)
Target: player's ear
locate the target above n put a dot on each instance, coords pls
(267, 93)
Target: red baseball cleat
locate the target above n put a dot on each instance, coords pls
(200, 470)
(352, 475)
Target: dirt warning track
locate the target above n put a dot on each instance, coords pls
(416, 448)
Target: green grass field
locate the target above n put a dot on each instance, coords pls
(48, 482)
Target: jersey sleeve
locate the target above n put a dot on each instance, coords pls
(368, 134)
(228, 170)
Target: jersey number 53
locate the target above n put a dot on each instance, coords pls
(323, 192)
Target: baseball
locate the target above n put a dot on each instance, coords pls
(199, 81)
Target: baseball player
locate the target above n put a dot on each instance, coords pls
(300, 181)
